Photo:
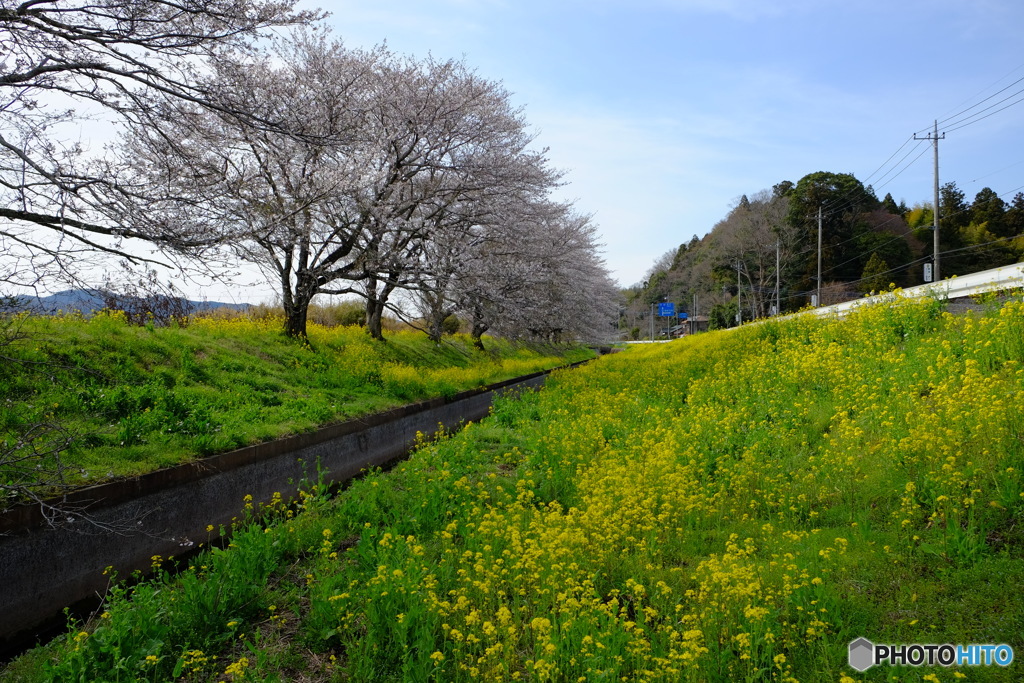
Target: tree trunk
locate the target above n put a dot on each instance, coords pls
(376, 301)
(477, 325)
(435, 330)
(435, 319)
(374, 317)
(477, 334)
(295, 319)
(296, 306)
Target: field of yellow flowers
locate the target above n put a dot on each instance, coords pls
(131, 399)
(737, 506)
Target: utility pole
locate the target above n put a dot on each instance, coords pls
(778, 303)
(739, 302)
(818, 296)
(934, 137)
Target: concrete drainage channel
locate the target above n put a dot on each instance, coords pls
(44, 569)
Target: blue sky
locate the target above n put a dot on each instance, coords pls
(665, 112)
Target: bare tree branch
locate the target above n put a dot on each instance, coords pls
(66, 61)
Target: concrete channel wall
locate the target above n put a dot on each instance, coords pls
(45, 568)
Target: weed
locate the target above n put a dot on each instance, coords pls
(732, 507)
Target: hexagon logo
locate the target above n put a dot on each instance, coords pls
(862, 654)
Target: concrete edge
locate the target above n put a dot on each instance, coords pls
(28, 516)
(45, 569)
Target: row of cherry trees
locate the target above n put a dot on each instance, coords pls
(336, 171)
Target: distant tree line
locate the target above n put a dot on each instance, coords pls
(767, 247)
(411, 183)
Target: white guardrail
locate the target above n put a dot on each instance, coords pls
(993, 280)
(1005, 277)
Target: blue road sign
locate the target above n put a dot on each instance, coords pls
(684, 316)
(667, 310)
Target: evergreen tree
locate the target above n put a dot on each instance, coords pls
(954, 213)
(889, 204)
(1015, 215)
(989, 208)
(842, 200)
(783, 189)
(954, 216)
(875, 275)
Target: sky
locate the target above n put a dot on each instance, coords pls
(663, 113)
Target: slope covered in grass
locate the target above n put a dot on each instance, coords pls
(738, 506)
(137, 398)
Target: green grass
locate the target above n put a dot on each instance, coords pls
(137, 398)
(738, 506)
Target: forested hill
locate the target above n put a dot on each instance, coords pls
(867, 244)
(89, 300)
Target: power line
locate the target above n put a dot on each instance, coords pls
(850, 204)
(1005, 168)
(908, 141)
(895, 238)
(961, 119)
(912, 162)
(831, 210)
(969, 247)
(890, 271)
(902, 170)
(969, 123)
(800, 294)
(873, 249)
(844, 202)
(856, 237)
(950, 118)
(996, 82)
(841, 203)
(981, 244)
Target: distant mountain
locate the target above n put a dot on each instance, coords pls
(89, 300)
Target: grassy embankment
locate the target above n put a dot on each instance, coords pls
(734, 507)
(139, 398)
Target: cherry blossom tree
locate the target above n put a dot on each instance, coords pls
(68, 61)
(377, 158)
